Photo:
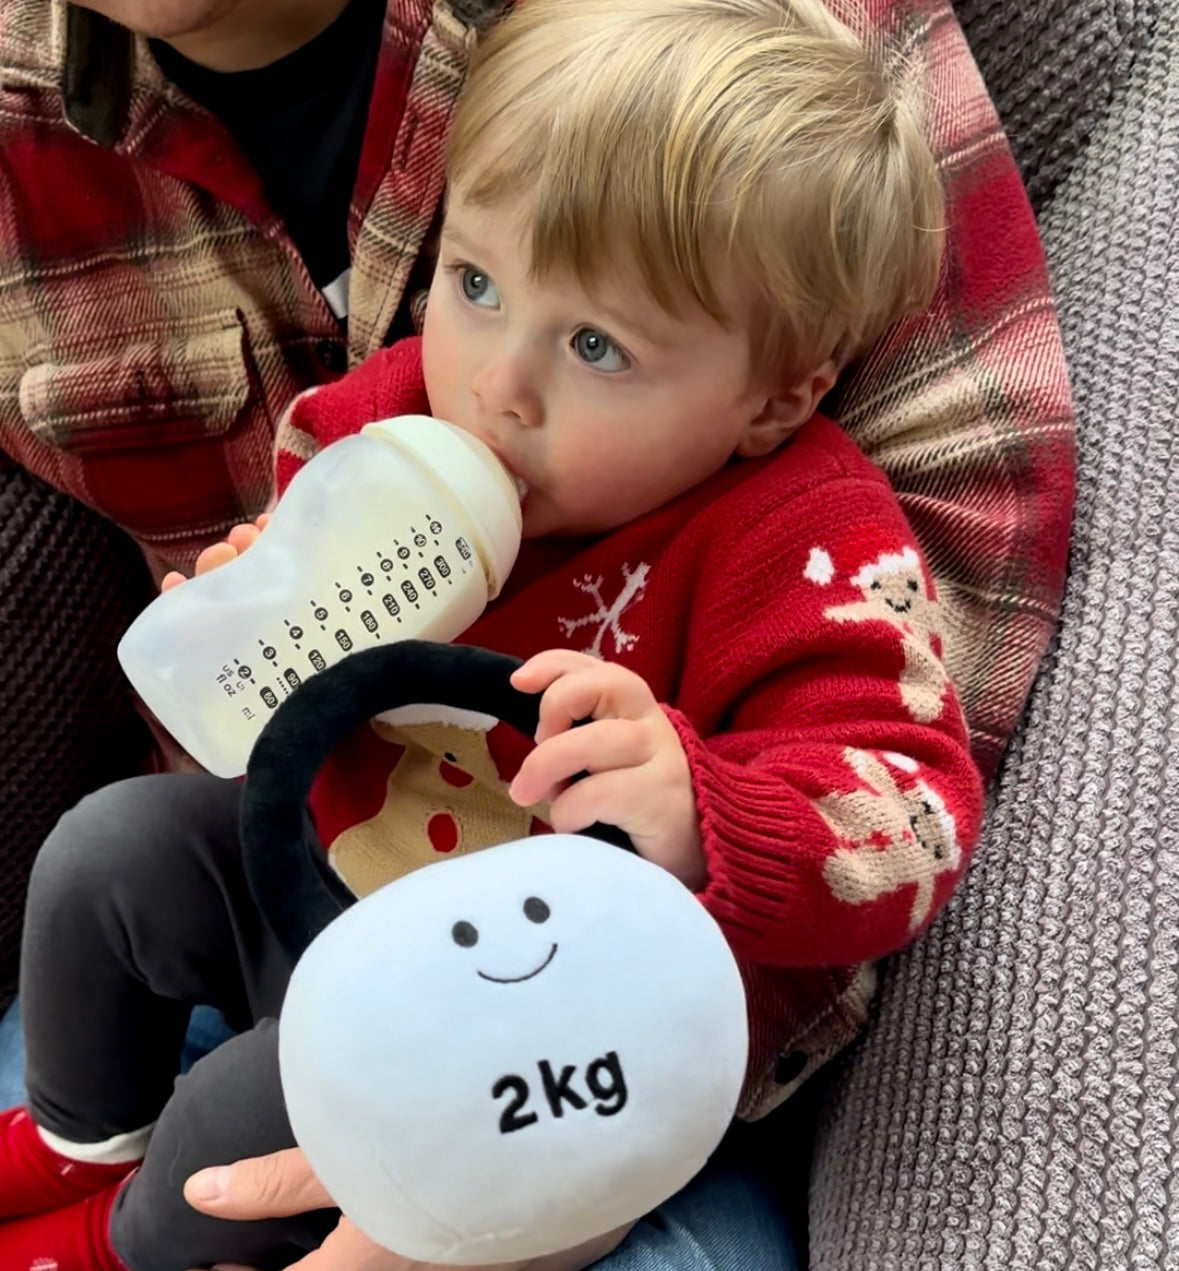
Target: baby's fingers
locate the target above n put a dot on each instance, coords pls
(236, 541)
(602, 746)
(217, 555)
(609, 797)
(243, 536)
(601, 691)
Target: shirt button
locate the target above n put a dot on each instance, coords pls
(332, 355)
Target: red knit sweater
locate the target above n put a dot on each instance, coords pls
(783, 614)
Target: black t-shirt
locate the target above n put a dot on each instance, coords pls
(301, 122)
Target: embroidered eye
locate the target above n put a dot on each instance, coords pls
(465, 935)
(913, 585)
(596, 349)
(535, 910)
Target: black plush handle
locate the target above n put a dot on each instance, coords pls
(289, 877)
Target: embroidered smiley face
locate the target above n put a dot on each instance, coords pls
(897, 591)
(466, 936)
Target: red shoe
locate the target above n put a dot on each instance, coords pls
(76, 1238)
(35, 1179)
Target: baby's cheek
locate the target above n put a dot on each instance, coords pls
(440, 369)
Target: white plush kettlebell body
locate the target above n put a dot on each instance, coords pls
(508, 1053)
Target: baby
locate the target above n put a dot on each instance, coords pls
(669, 225)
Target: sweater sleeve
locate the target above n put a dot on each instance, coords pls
(837, 796)
(384, 385)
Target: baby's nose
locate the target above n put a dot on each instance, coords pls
(506, 389)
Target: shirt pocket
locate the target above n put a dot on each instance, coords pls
(153, 388)
(165, 431)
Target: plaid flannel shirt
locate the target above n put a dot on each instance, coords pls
(155, 316)
(156, 320)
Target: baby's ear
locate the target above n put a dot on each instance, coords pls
(785, 412)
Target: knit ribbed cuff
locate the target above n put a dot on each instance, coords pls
(761, 842)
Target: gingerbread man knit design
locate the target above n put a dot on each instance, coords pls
(444, 796)
(899, 834)
(894, 590)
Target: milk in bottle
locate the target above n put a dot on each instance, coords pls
(405, 530)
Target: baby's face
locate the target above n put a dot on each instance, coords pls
(603, 404)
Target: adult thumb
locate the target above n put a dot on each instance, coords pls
(274, 1186)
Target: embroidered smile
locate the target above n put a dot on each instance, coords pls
(519, 979)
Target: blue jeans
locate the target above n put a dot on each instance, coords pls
(726, 1219)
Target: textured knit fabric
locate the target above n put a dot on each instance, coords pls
(388, 383)
(1053, 73)
(1014, 1106)
(69, 585)
(783, 615)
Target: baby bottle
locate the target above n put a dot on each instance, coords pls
(404, 530)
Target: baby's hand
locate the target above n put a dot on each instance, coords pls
(236, 542)
(638, 773)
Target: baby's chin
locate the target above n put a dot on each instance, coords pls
(541, 520)
(544, 521)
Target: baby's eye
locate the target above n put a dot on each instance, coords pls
(596, 349)
(478, 287)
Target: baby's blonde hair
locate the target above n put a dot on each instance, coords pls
(710, 141)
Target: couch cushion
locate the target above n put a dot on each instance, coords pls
(1053, 68)
(67, 724)
(1013, 1105)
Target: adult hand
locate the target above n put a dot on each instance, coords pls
(282, 1184)
(639, 779)
(237, 541)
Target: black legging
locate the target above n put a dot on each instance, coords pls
(138, 910)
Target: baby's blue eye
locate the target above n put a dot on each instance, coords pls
(478, 287)
(597, 350)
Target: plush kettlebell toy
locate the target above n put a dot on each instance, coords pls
(500, 1055)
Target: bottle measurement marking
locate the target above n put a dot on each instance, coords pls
(416, 585)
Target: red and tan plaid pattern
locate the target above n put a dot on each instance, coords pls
(967, 408)
(155, 317)
(155, 321)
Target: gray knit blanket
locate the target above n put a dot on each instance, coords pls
(1054, 69)
(1015, 1104)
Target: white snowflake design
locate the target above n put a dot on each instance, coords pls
(606, 617)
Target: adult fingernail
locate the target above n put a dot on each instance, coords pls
(210, 1184)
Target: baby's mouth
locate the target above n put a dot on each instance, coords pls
(521, 487)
